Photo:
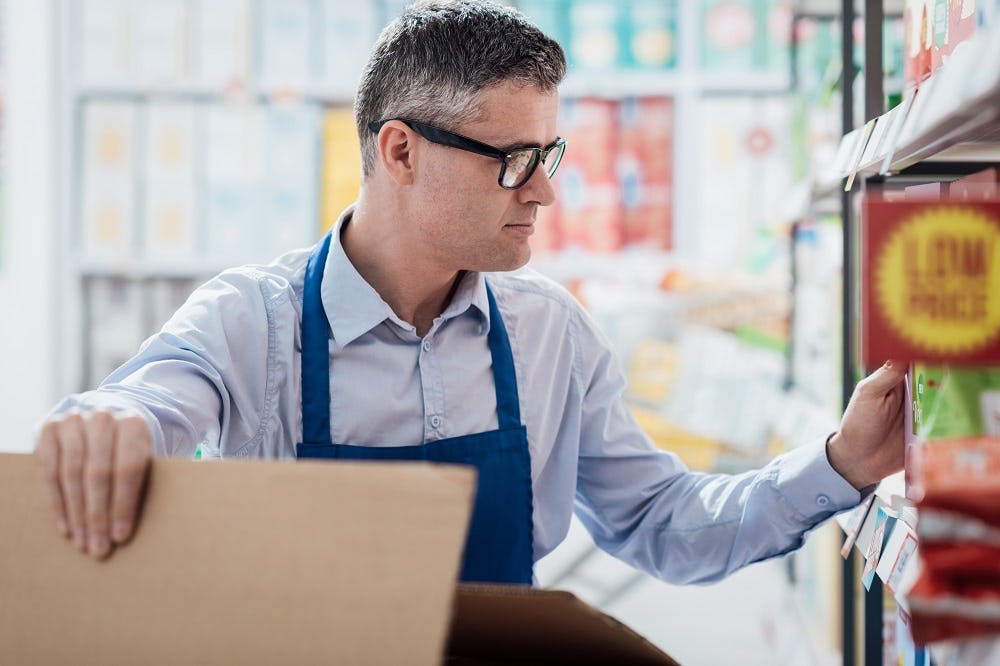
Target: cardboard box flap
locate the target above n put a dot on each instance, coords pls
(497, 624)
(241, 563)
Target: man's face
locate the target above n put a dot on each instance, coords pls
(466, 221)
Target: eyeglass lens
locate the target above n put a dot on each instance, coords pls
(521, 164)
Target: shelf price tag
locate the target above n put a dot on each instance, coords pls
(931, 282)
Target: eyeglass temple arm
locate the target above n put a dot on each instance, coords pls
(444, 137)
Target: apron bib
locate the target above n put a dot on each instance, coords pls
(499, 544)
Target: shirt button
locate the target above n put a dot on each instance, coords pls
(427, 345)
(435, 421)
(822, 500)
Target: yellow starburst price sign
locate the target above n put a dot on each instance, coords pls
(931, 282)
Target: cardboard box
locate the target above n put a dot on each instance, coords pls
(505, 624)
(273, 562)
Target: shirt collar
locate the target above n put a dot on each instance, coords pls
(471, 294)
(353, 307)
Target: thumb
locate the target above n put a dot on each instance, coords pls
(885, 378)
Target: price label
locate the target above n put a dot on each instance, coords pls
(931, 282)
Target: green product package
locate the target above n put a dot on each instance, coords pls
(650, 34)
(594, 35)
(949, 402)
(730, 32)
(550, 16)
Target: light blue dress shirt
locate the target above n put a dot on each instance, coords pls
(224, 374)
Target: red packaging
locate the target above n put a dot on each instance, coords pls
(589, 126)
(646, 135)
(943, 609)
(980, 186)
(930, 277)
(645, 170)
(548, 234)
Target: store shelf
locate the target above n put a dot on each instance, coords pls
(888, 552)
(834, 7)
(631, 83)
(622, 83)
(235, 93)
(946, 128)
(953, 117)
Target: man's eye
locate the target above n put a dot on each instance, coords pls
(519, 159)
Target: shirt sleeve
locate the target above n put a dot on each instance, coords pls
(644, 506)
(202, 378)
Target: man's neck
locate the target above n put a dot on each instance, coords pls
(415, 292)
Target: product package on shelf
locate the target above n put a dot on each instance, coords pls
(729, 391)
(109, 173)
(981, 186)
(651, 40)
(615, 183)
(587, 183)
(652, 376)
(548, 234)
(816, 311)
(934, 29)
(550, 17)
(957, 593)
(169, 211)
(955, 476)
(744, 173)
(956, 401)
(817, 46)
(931, 272)
(746, 36)
(608, 34)
(645, 169)
(731, 32)
(595, 36)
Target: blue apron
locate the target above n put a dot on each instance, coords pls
(499, 544)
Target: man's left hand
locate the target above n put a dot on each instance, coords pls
(869, 445)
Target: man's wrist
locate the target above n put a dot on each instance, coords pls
(841, 461)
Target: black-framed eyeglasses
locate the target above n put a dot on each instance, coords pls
(518, 164)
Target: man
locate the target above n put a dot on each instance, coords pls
(405, 335)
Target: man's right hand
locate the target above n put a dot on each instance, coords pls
(94, 468)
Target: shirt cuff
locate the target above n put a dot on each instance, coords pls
(811, 485)
(90, 401)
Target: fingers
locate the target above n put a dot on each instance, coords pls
(93, 468)
(99, 432)
(47, 454)
(883, 380)
(71, 456)
(133, 452)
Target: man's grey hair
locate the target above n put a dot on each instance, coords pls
(430, 63)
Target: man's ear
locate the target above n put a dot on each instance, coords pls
(396, 144)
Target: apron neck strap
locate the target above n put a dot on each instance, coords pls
(504, 377)
(315, 350)
(316, 356)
